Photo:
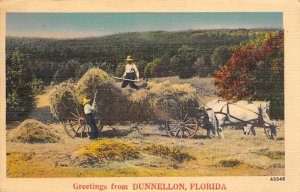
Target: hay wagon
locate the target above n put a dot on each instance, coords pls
(175, 106)
(178, 123)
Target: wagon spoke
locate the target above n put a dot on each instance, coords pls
(74, 124)
(182, 133)
(86, 129)
(188, 132)
(189, 120)
(185, 117)
(190, 124)
(173, 124)
(74, 115)
(174, 128)
(74, 118)
(71, 124)
(78, 113)
(188, 128)
(78, 128)
(177, 133)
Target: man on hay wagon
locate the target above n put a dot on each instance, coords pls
(131, 74)
(90, 120)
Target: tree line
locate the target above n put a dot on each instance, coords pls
(157, 54)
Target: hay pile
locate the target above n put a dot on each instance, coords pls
(162, 101)
(112, 102)
(168, 151)
(64, 101)
(106, 150)
(33, 131)
(158, 101)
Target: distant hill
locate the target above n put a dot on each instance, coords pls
(107, 52)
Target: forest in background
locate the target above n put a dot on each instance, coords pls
(33, 62)
(159, 53)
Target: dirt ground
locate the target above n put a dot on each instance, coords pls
(236, 155)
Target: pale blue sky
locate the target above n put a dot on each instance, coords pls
(93, 24)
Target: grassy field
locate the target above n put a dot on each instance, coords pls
(157, 154)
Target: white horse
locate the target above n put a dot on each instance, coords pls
(242, 113)
(263, 105)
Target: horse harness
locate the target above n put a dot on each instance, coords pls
(228, 115)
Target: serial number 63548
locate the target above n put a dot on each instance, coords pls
(277, 179)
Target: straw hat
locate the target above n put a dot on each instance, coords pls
(85, 100)
(129, 58)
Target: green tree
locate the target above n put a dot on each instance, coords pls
(20, 98)
(37, 85)
(151, 68)
(67, 72)
(220, 56)
(202, 66)
(141, 64)
(120, 69)
(183, 61)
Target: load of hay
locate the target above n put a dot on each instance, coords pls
(162, 101)
(33, 131)
(64, 102)
(112, 103)
(158, 101)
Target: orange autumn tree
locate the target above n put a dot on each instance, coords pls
(255, 71)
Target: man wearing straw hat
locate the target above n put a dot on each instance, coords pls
(131, 73)
(88, 111)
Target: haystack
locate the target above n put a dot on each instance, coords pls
(162, 101)
(64, 101)
(112, 103)
(33, 131)
(106, 150)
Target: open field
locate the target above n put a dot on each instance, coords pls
(237, 154)
(158, 155)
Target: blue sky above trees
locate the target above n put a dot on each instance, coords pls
(98, 24)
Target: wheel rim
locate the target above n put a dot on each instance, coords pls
(76, 126)
(185, 127)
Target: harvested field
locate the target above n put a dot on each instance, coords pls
(154, 153)
(158, 155)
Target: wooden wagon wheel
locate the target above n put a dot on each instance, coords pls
(185, 127)
(77, 126)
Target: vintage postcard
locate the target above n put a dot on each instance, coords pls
(149, 96)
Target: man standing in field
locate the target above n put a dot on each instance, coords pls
(88, 111)
(131, 73)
